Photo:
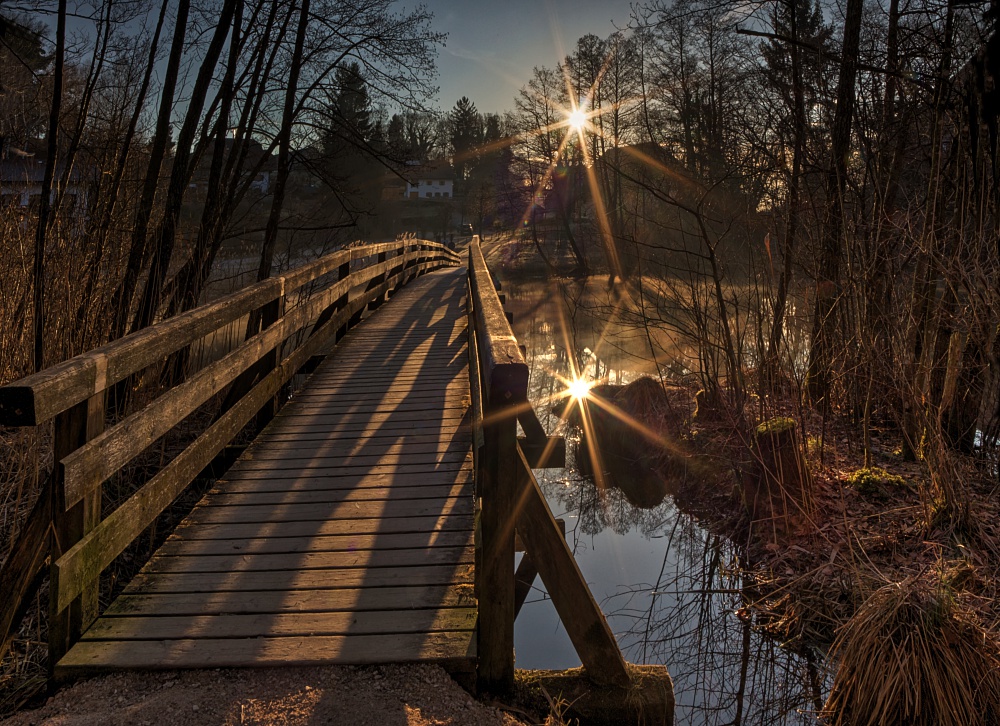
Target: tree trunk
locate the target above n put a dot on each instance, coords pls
(828, 282)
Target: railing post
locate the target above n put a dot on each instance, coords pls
(72, 429)
(376, 303)
(496, 603)
(270, 314)
(504, 380)
(343, 272)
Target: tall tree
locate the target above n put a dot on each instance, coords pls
(465, 128)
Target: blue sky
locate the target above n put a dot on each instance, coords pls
(494, 44)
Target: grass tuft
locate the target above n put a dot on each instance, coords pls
(914, 654)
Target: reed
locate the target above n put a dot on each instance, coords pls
(913, 653)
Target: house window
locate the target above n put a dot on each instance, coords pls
(445, 194)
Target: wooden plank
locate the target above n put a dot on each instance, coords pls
(299, 601)
(456, 389)
(348, 510)
(445, 406)
(580, 615)
(175, 546)
(320, 471)
(360, 480)
(296, 561)
(429, 523)
(445, 648)
(376, 459)
(408, 433)
(283, 625)
(327, 496)
(425, 397)
(194, 582)
(388, 445)
(351, 423)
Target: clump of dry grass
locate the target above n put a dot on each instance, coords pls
(914, 654)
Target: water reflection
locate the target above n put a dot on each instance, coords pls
(671, 589)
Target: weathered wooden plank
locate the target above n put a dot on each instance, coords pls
(96, 656)
(408, 433)
(70, 616)
(371, 525)
(455, 388)
(359, 480)
(319, 471)
(287, 562)
(422, 399)
(377, 459)
(283, 625)
(176, 547)
(348, 510)
(299, 601)
(446, 408)
(309, 560)
(292, 448)
(326, 496)
(579, 613)
(348, 422)
(504, 369)
(194, 582)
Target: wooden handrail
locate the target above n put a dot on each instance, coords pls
(510, 500)
(86, 455)
(38, 398)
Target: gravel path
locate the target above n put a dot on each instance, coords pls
(381, 696)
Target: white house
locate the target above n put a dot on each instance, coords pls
(432, 180)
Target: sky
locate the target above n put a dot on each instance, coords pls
(493, 45)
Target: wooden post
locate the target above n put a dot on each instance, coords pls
(342, 274)
(376, 303)
(73, 428)
(270, 314)
(496, 592)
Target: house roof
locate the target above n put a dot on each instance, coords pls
(438, 170)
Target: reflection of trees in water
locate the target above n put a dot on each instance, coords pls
(597, 510)
(724, 672)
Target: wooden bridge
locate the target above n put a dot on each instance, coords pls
(371, 520)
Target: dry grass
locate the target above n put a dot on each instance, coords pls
(914, 654)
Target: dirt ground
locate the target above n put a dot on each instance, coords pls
(417, 695)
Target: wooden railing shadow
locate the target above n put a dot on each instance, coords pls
(65, 525)
(511, 501)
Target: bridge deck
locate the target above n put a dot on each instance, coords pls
(344, 534)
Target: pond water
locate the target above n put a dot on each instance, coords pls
(670, 590)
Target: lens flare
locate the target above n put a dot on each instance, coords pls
(578, 388)
(577, 119)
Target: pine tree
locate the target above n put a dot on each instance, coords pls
(465, 127)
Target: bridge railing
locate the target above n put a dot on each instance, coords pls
(511, 501)
(66, 524)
